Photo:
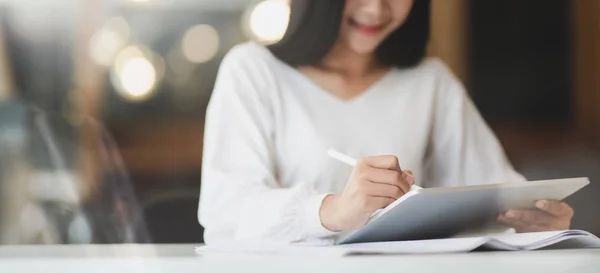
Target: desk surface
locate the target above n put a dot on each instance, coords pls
(182, 259)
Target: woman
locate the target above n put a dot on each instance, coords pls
(349, 75)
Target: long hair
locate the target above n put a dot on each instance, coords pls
(315, 25)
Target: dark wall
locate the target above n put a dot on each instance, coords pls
(520, 60)
(520, 78)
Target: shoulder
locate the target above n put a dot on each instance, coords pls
(248, 55)
(247, 72)
(434, 68)
(250, 63)
(246, 51)
(430, 74)
(441, 79)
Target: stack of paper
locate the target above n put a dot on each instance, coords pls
(522, 241)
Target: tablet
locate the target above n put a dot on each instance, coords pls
(444, 212)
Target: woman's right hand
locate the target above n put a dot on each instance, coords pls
(375, 183)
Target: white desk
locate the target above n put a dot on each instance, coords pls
(182, 259)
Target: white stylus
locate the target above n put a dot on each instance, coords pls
(352, 162)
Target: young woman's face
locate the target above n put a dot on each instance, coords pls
(366, 23)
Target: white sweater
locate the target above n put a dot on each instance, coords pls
(265, 169)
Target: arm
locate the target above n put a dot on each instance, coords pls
(240, 192)
(241, 198)
(464, 151)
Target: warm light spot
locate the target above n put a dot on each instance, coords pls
(200, 44)
(269, 20)
(136, 73)
(138, 77)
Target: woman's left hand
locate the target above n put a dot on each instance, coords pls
(549, 215)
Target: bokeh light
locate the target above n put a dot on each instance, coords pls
(136, 73)
(108, 40)
(200, 43)
(268, 20)
(138, 77)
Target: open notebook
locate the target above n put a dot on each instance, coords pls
(522, 241)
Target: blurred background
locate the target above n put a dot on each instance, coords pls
(102, 104)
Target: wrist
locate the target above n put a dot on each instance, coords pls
(327, 212)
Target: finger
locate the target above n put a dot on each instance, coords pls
(537, 218)
(388, 162)
(521, 226)
(383, 190)
(378, 202)
(409, 177)
(390, 177)
(530, 217)
(554, 207)
(534, 228)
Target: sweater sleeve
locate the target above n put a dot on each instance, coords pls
(241, 198)
(463, 150)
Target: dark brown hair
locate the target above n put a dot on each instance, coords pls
(314, 29)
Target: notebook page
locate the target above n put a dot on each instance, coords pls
(416, 247)
(526, 240)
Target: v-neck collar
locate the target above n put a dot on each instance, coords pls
(362, 96)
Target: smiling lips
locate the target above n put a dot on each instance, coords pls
(367, 29)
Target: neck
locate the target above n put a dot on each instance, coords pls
(347, 62)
